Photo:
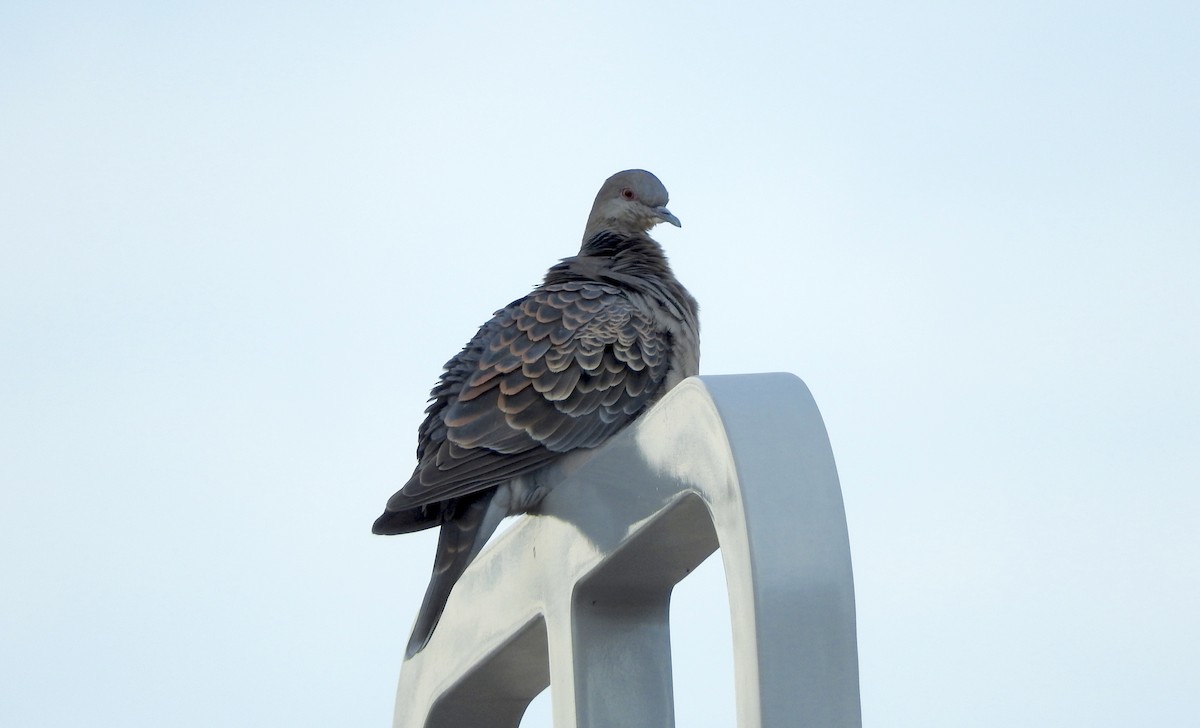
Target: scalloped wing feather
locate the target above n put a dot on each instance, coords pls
(563, 368)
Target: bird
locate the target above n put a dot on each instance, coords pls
(551, 376)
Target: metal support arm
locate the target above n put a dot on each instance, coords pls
(577, 597)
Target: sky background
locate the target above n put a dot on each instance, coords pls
(240, 239)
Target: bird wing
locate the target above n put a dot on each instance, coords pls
(563, 368)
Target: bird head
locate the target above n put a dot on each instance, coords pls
(630, 203)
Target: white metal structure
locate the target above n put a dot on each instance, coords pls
(577, 598)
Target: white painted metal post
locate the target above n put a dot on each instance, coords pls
(577, 598)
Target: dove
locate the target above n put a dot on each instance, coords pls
(552, 376)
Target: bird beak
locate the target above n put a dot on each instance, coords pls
(665, 215)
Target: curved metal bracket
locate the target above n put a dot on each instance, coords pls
(577, 598)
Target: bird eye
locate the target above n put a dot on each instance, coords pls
(627, 193)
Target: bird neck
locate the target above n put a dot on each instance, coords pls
(635, 262)
(624, 249)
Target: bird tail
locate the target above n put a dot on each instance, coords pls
(461, 538)
(408, 520)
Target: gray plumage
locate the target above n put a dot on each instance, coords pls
(559, 371)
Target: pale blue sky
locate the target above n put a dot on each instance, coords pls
(238, 242)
